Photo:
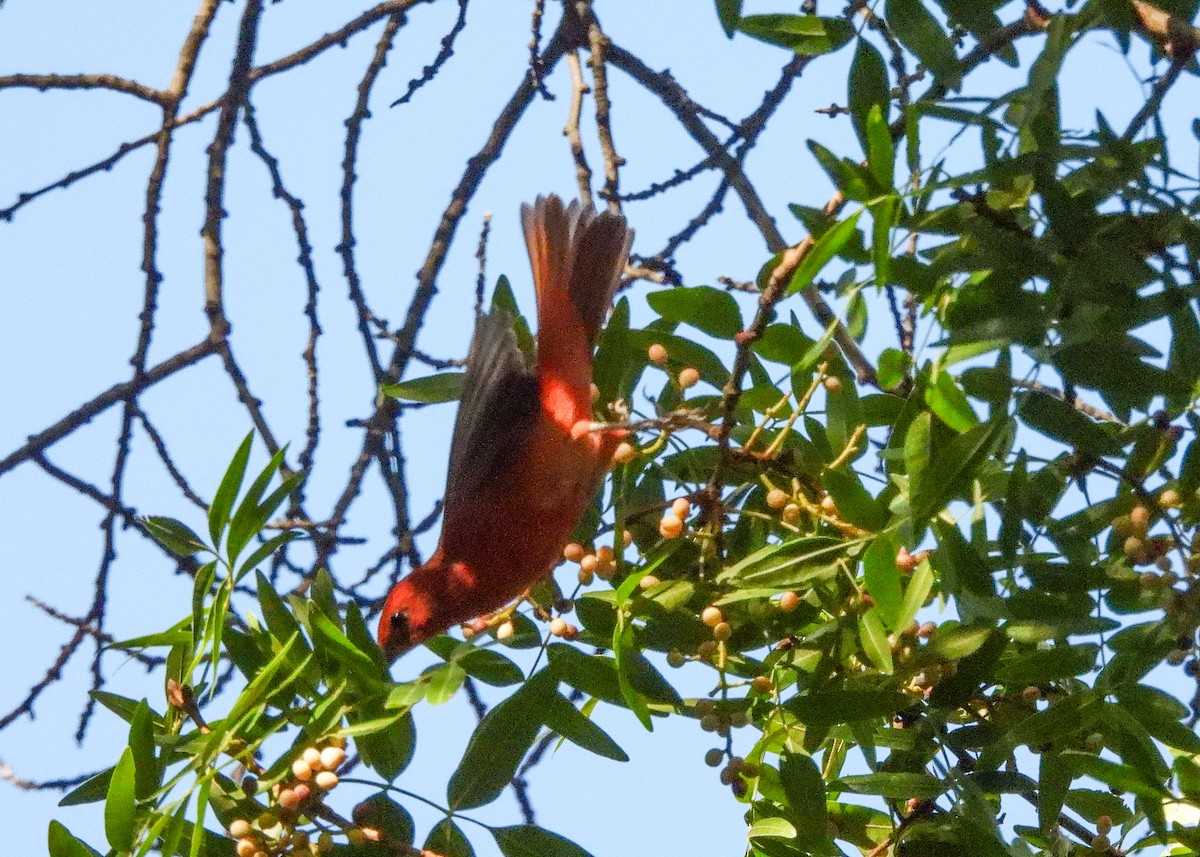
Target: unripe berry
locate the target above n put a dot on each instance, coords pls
(299, 839)
(739, 719)
(326, 780)
(505, 631)
(604, 553)
(1139, 519)
(1104, 824)
(1122, 526)
(585, 577)
(1170, 498)
(688, 377)
(301, 791)
(710, 722)
(722, 631)
(1031, 694)
(833, 384)
(789, 601)
(606, 570)
(574, 552)
(267, 820)
(1133, 548)
(713, 757)
(670, 527)
(647, 581)
(681, 507)
(246, 847)
(301, 770)
(332, 757)
(657, 354)
(712, 616)
(761, 684)
(675, 658)
(791, 514)
(1094, 742)
(777, 498)
(1100, 843)
(705, 706)
(312, 757)
(706, 649)
(570, 632)
(905, 561)
(750, 770)
(239, 828)
(249, 784)
(355, 836)
(558, 626)
(325, 842)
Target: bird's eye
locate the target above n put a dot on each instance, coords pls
(400, 629)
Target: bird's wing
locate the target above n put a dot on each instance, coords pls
(498, 409)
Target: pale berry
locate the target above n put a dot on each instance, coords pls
(682, 507)
(301, 770)
(670, 527)
(688, 378)
(657, 354)
(326, 780)
(573, 552)
(789, 601)
(777, 498)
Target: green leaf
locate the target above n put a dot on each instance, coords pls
(805, 791)
(1123, 778)
(920, 584)
(846, 706)
(869, 88)
(711, 310)
(446, 840)
(920, 32)
(881, 151)
(568, 721)
(594, 675)
(386, 750)
(854, 502)
(1054, 779)
(772, 827)
(882, 578)
(497, 746)
(809, 35)
(429, 390)
(893, 785)
(528, 840)
(947, 400)
(141, 743)
(382, 813)
(173, 535)
(822, 252)
(330, 640)
(91, 790)
(444, 680)
(1056, 419)
(874, 641)
(729, 13)
(227, 491)
(1044, 665)
(62, 843)
(120, 807)
(248, 518)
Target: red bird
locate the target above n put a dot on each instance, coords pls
(523, 465)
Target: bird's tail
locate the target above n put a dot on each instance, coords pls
(574, 250)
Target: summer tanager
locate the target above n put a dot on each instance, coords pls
(524, 463)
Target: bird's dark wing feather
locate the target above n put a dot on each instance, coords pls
(498, 409)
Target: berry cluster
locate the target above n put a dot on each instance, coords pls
(281, 829)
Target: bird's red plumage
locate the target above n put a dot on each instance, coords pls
(519, 477)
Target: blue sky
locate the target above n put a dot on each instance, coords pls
(72, 289)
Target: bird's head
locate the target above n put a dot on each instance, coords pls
(407, 619)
